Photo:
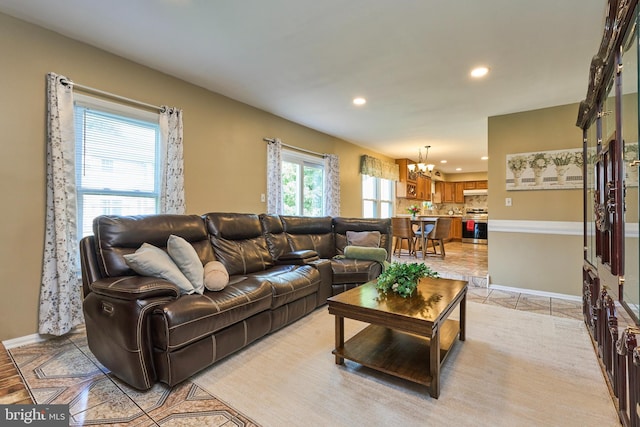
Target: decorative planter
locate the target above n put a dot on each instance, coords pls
(537, 173)
(561, 173)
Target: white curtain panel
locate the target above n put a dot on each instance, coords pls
(332, 184)
(60, 291)
(274, 177)
(172, 191)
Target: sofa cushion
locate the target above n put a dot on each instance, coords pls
(366, 253)
(116, 236)
(193, 317)
(290, 282)
(347, 270)
(310, 233)
(238, 242)
(151, 261)
(342, 225)
(369, 239)
(275, 236)
(216, 277)
(186, 258)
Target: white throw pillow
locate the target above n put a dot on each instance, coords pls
(154, 262)
(187, 260)
(216, 276)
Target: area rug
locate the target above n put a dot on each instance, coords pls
(514, 369)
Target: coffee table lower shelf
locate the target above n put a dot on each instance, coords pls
(397, 353)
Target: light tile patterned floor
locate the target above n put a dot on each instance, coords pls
(469, 262)
(63, 370)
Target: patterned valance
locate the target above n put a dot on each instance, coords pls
(379, 169)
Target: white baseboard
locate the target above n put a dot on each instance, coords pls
(20, 341)
(536, 293)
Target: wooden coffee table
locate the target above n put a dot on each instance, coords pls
(407, 337)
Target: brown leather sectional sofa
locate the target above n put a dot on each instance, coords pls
(281, 268)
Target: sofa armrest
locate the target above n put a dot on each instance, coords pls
(298, 257)
(135, 287)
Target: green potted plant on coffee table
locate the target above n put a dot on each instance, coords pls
(402, 279)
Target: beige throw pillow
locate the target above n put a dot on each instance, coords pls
(216, 276)
(187, 260)
(154, 262)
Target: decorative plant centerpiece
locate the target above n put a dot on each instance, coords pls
(403, 278)
(413, 210)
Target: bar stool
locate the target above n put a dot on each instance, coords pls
(402, 230)
(440, 232)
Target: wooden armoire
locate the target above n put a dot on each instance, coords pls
(611, 290)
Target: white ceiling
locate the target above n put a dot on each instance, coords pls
(305, 60)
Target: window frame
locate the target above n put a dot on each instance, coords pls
(127, 113)
(378, 201)
(302, 160)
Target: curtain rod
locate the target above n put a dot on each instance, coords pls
(272, 140)
(110, 95)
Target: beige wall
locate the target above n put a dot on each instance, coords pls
(224, 153)
(545, 262)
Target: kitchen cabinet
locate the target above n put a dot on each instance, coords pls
(458, 192)
(469, 185)
(476, 185)
(455, 232)
(412, 185)
(450, 192)
(424, 188)
(441, 195)
(407, 186)
(407, 189)
(456, 229)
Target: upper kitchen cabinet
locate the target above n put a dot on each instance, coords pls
(424, 188)
(458, 192)
(449, 192)
(407, 187)
(476, 185)
(412, 185)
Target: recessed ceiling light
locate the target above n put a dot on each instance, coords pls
(443, 161)
(479, 72)
(359, 101)
(484, 158)
(458, 169)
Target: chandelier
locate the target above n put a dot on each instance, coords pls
(422, 166)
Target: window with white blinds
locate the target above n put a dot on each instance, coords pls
(117, 160)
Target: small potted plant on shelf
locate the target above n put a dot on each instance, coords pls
(403, 278)
(413, 210)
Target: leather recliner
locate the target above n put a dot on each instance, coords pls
(281, 268)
